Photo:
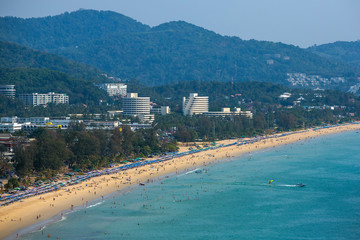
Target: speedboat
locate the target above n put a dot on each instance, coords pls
(300, 185)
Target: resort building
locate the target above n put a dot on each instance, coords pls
(195, 104)
(10, 127)
(227, 112)
(36, 99)
(136, 106)
(163, 110)
(114, 89)
(8, 90)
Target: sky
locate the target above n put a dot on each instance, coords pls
(298, 22)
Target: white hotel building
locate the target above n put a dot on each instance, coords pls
(195, 104)
(114, 89)
(138, 106)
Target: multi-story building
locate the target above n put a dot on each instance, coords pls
(8, 90)
(227, 112)
(195, 104)
(114, 89)
(36, 99)
(134, 105)
(137, 106)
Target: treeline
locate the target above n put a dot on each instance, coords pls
(243, 94)
(190, 129)
(77, 148)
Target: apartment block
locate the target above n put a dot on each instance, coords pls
(36, 99)
(114, 89)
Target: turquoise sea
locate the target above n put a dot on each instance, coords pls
(233, 200)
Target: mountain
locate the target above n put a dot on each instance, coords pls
(348, 52)
(35, 71)
(17, 56)
(66, 30)
(171, 52)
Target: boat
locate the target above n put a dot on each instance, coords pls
(300, 185)
(198, 171)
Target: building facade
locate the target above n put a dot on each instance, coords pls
(163, 110)
(10, 127)
(134, 105)
(8, 90)
(227, 112)
(137, 106)
(114, 89)
(36, 99)
(195, 104)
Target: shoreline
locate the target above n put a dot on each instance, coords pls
(35, 212)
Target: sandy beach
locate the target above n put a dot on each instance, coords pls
(38, 209)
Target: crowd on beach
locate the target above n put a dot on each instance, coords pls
(38, 204)
(76, 179)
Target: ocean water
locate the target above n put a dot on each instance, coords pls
(233, 200)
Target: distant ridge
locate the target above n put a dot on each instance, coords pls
(348, 52)
(168, 53)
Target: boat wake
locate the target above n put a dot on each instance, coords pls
(286, 185)
(94, 205)
(189, 172)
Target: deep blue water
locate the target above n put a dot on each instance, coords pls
(233, 200)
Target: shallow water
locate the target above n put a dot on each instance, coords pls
(233, 200)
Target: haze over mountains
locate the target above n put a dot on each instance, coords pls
(348, 52)
(173, 52)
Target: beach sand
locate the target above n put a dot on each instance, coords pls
(36, 210)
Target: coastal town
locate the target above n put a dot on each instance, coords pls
(179, 120)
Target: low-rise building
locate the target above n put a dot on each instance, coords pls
(102, 124)
(163, 110)
(10, 127)
(114, 89)
(227, 112)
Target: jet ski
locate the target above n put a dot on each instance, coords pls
(300, 185)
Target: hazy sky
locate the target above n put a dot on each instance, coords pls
(299, 22)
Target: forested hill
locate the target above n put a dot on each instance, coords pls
(16, 56)
(348, 52)
(34, 71)
(168, 53)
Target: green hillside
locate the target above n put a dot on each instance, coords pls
(348, 52)
(17, 56)
(171, 52)
(35, 71)
(28, 80)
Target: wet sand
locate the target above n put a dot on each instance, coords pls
(36, 210)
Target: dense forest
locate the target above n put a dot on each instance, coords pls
(348, 52)
(16, 56)
(168, 53)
